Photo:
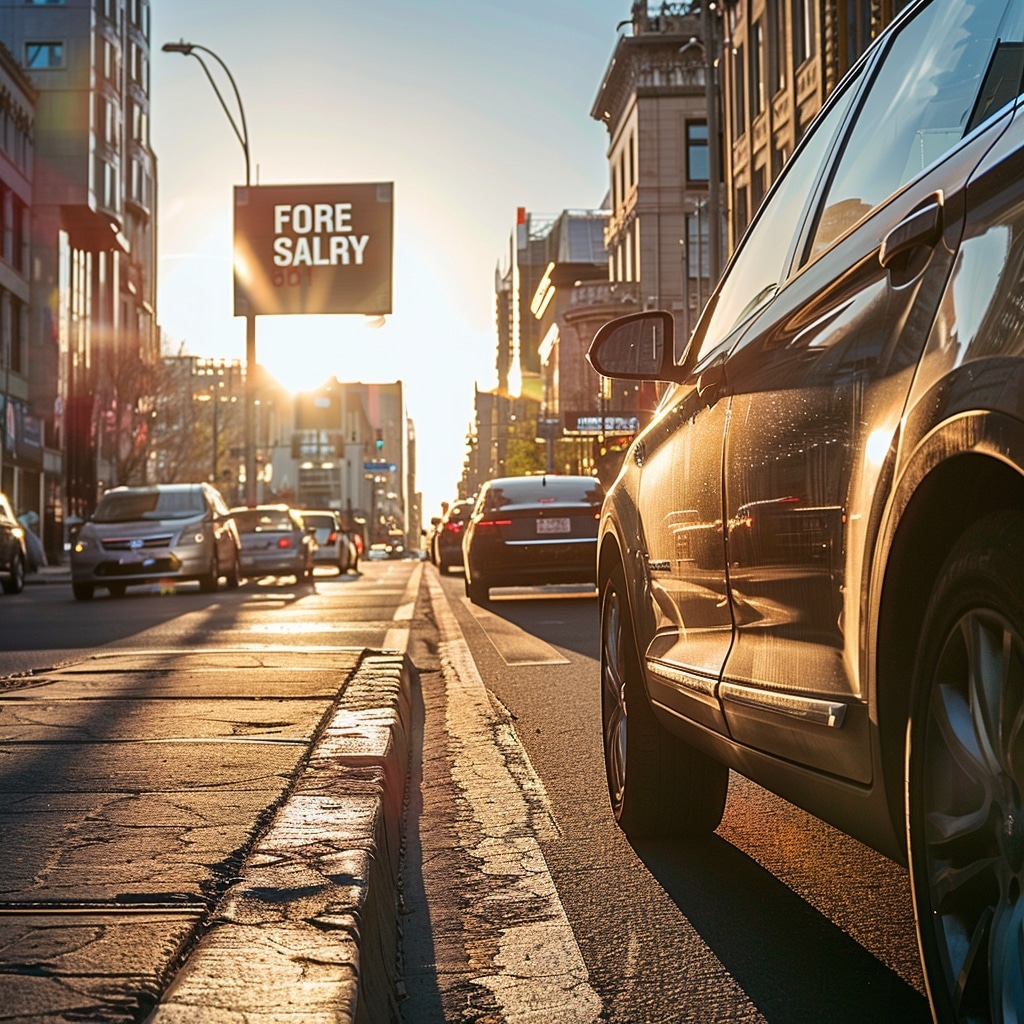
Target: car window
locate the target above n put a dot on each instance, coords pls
(754, 275)
(321, 522)
(260, 521)
(543, 490)
(949, 69)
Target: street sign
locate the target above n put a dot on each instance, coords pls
(380, 467)
(313, 248)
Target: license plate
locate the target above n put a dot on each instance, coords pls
(561, 525)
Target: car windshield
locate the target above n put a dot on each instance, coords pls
(135, 506)
(259, 521)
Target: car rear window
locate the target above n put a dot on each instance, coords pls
(544, 490)
(132, 506)
(321, 522)
(254, 521)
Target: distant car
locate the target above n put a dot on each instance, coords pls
(335, 546)
(447, 538)
(275, 542)
(532, 530)
(141, 535)
(13, 552)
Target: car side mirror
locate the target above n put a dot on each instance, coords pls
(638, 346)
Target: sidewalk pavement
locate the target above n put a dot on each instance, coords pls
(307, 929)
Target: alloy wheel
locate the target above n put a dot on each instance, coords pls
(972, 817)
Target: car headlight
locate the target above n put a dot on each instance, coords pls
(190, 537)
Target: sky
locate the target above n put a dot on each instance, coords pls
(472, 109)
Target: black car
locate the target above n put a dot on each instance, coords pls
(446, 539)
(13, 553)
(532, 531)
(811, 562)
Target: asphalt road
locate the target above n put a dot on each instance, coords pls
(521, 900)
(777, 918)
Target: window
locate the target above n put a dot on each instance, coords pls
(739, 105)
(802, 12)
(761, 262)
(696, 151)
(44, 55)
(17, 356)
(756, 69)
(926, 96)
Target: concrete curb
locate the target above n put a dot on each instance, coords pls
(308, 932)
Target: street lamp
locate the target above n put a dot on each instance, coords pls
(242, 134)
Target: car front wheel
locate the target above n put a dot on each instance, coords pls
(208, 581)
(15, 582)
(659, 786)
(965, 779)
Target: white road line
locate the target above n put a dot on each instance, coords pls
(515, 645)
(397, 637)
(536, 973)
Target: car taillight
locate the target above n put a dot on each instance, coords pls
(332, 538)
(454, 527)
(494, 522)
(284, 542)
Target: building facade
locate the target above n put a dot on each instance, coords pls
(92, 339)
(22, 455)
(777, 61)
(653, 102)
(350, 447)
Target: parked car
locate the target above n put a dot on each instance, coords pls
(335, 546)
(447, 538)
(810, 564)
(13, 552)
(167, 532)
(532, 530)
(275, 542)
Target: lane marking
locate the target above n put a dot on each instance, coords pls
(536, 971)
(515, 645)
(397, 637)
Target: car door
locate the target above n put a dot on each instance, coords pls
(679, 494)
(820, 380)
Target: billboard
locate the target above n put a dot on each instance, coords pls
(313, 248)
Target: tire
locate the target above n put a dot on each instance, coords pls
(117, 589)
(15, 582)
(82, 591)
(478, 591)
(965, 779)
(208, 582)
(234, 578)
(659, 786)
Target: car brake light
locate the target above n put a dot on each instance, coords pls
(332, 538)
(494, 522)
(454, 527)
(284, 542)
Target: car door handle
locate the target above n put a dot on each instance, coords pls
(922, 227)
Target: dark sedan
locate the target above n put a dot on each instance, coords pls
(446, 552)
(13, 553)
(532, 530)
(810, 564)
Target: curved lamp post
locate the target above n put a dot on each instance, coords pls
(242, 134)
